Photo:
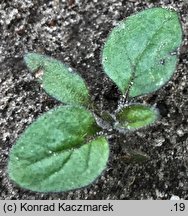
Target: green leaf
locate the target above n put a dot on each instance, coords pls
(142, 50)
(135, 156)
(54, 154)
(57, 79)
(136, 116)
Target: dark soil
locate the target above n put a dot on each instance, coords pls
(74, 32)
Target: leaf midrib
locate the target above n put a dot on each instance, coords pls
(138, 59)
(56, 152)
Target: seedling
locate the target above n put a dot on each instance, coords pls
(62, 149)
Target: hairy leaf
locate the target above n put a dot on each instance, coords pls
(57, 79)
(136, 116)
(54, 153)
(142, 50)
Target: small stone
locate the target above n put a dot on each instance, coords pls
(159, 141)
(180, 132)
(174, 197)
